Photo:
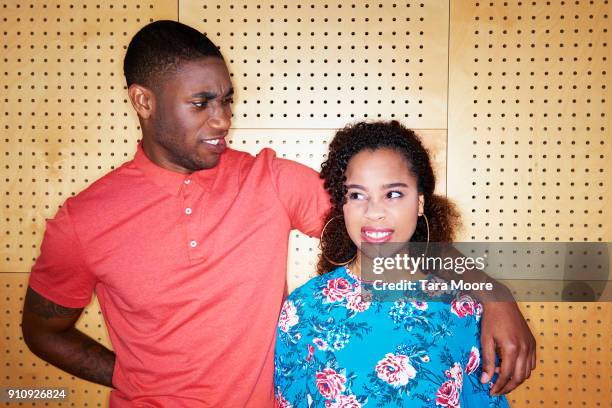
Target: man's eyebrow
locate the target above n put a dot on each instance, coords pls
(211, 95)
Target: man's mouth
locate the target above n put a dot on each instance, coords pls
(216, 145)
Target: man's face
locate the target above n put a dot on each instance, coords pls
(192, 115)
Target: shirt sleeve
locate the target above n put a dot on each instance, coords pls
(59, 273)
(301, 192)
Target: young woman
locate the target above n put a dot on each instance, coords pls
(337, 346)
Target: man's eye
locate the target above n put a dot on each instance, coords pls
(200, 104)
(228, 101)
(394, 194)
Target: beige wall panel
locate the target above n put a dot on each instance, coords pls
(321, 64)
(528, 155)
(529, 159)
(529, 120)
(573, 356)
(65, 115)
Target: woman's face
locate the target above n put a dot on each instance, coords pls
(382, 203)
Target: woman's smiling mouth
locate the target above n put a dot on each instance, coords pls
(376, 235)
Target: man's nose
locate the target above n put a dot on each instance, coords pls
(221, 118)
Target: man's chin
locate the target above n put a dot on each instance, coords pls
(208, 163)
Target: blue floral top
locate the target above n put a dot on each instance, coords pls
(339, 348)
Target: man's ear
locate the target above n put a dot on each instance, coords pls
(143, 100)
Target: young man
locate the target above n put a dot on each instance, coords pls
(185, 247)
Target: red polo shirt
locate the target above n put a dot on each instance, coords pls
(189, 271)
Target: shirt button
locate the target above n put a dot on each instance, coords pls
(193, 244)
(187, 181)
(187, 211)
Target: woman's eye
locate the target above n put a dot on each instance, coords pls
(355, 196)
(394, 194)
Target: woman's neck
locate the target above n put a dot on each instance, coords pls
(355, 265)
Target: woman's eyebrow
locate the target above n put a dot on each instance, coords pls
(385, 186)
(394, 185)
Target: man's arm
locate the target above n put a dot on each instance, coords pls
(48, 330)
(504, 330)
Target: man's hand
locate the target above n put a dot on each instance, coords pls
(504, 330)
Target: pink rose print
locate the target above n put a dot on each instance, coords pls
(456, 373)
(345, 401)
(356, 302)
(425, 358)
(288, 316)
(474, 361)
(420, 305)
(447, 395)
(337, 289)
(464, 306)
(329, 383)
(281, 402)
(395, 369)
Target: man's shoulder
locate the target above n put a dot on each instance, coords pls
(265, 156)
(233, 156)
(113, 186)
(264, 162)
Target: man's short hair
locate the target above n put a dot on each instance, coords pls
(160, 47)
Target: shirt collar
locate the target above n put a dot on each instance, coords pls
(171, 181)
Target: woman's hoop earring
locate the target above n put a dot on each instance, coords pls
(427, 224)
(323, 253)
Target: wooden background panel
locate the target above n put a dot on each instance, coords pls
(529, 120)
(528, 154)
(574, 367)
(323, 64)
(528, 142)
(66, 118)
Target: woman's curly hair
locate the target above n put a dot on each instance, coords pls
(441, 213)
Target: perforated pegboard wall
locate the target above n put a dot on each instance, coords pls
(321, 64)
(521, 85)
(529, 119)
(529, 160)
